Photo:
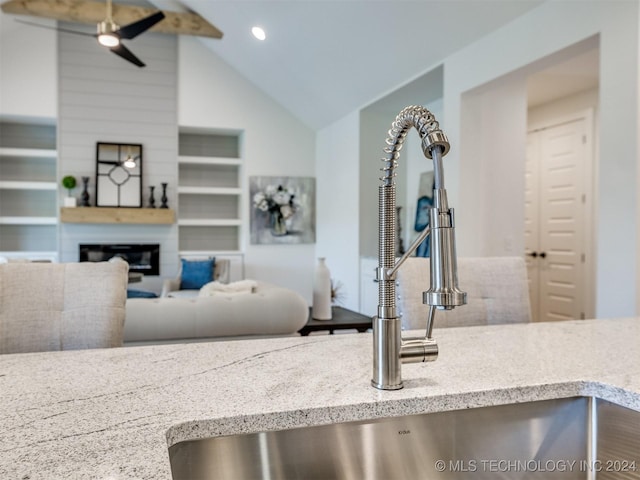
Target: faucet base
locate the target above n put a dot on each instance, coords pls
(380, 386)
(386, 353)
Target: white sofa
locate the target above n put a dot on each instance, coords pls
(271, 310)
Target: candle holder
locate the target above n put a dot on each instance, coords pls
(84, 197)
(164, 198)
(152, 200)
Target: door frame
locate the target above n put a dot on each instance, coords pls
(590, 192)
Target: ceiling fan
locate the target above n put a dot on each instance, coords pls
(136, 20)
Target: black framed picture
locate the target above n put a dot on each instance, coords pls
(118, 174)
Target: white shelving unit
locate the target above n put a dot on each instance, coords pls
(210, 196)
(22, 185)
(28, 220)
(211, 222)
(28, 190)
(209, 190)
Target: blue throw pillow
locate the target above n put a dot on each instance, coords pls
(132, 293)
(196, 273)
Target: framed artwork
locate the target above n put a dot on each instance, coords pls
(425, 202)
(118, 175)
(282, 210)
(422, 222)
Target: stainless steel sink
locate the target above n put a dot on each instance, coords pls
(575, 438)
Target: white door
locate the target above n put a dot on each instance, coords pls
(557, 258)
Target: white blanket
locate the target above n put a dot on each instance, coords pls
(233, 288)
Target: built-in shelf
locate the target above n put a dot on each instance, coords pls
(164, 216)
(28, 152)
(28, 220)
(209, 190)
(209, 222)
(28, 189)
(34, 256)
(30, 185)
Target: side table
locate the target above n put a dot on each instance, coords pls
(342, 319)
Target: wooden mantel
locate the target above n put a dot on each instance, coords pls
(117, 215)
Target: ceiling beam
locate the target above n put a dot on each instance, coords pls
(89, 12)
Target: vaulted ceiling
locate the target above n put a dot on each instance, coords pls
(323, 59)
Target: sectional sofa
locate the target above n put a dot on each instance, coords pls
(269, 311)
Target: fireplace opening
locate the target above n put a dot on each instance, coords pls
(141, 257)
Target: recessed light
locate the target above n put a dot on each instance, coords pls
(258, 32)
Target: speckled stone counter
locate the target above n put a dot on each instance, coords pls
(111, 414)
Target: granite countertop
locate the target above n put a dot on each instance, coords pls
(111, 414)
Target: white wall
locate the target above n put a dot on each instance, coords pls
(541, 115)
(28, 79)
(103, 98)
(493, 143)
(337, 171)
(213, 95)
(519, 44)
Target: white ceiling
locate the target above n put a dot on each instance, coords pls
(323, 59)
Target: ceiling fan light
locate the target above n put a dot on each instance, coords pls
(107, 34)
(108, 40)
(129, 162)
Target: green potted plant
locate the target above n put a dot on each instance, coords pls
(69, 182)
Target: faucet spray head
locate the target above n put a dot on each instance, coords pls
(444, 293)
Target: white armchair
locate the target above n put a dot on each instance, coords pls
(172, 286)
(62, 306)
(497, 293)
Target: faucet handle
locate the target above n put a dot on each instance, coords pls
(416, 350)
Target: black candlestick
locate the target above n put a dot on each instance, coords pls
(84, 197)
(164, 196)
(152, 200)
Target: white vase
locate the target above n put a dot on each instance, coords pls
(321, 309)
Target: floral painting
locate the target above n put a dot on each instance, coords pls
(282, 210)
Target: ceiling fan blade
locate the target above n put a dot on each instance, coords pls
(91, 12)
(125, 53)
(56, 28)
(136, 28)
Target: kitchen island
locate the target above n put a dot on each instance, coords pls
(112, 414)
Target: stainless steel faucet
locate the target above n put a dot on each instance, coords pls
(389, 349)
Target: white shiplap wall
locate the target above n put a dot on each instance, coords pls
(103, 98)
